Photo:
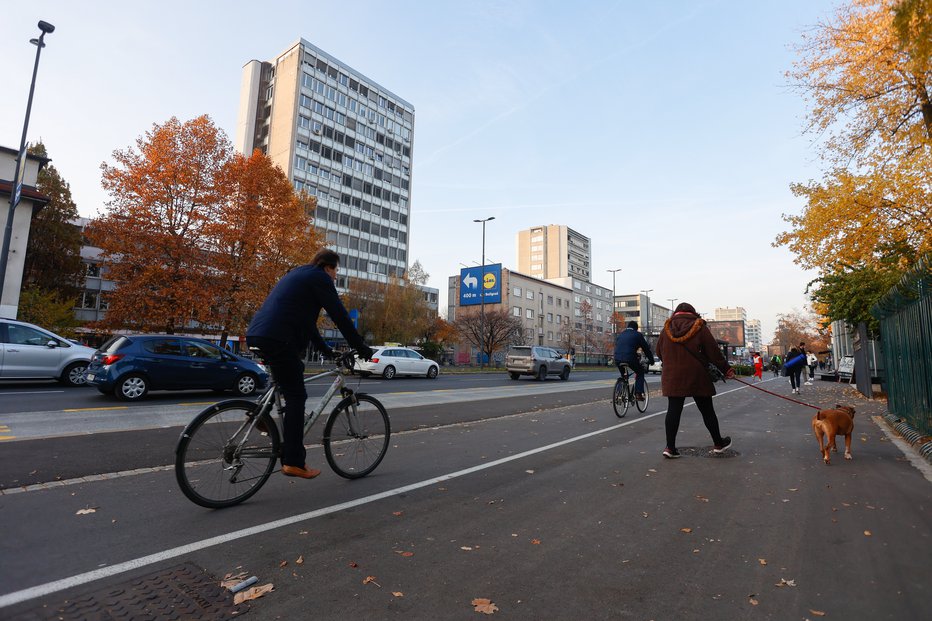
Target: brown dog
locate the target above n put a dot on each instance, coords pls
(830, 423)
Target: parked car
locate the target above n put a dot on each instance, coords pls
(129, 366)
(30, 352)
(657, 367)
(537, 361)
(389, 361)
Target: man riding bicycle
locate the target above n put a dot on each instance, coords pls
(281, 330)
(627, 344)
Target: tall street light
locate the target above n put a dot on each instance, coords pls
(482, 298)
(614, 327)
(17, 183)
(646, 293)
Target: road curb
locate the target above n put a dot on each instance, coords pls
(910, 435)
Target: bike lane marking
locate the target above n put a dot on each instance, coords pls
(48, 588)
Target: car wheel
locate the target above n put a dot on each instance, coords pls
(565, 373)
(132, 387)
(541, 373)
(432, 373)
(75, 374)
(389, 372)
(514, 376)
(245, 384)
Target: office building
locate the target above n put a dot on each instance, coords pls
(343, 138)
(554, 251)
(753, 334)
(731, 314)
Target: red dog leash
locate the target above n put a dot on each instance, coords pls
(774, 394)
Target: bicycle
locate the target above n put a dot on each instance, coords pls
(623, 393)
(228, 451)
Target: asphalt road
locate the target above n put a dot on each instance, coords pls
(560, 512)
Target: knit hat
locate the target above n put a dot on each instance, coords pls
(685, 307)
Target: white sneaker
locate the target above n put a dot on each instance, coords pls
(808, 384)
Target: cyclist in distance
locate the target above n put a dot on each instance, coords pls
(281, 330)
(627, 344)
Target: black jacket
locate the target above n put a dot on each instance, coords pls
(290, 313)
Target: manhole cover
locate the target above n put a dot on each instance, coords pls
(706, 451)
(182, 592)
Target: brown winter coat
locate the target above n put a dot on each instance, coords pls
(683, 375)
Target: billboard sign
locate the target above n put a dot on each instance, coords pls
(732, 332)
(481, 285)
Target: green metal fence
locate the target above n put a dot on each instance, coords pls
(905, 315)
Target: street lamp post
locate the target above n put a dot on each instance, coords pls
(646, 293)
(614, 327)
(16, 185)
(482, 297)
(671, 300)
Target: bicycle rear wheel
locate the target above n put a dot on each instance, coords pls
(620, 398)
(356, 436)
(222, 458)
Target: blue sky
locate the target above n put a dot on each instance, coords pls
(666, 132)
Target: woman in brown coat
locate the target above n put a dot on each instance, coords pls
(684, 344)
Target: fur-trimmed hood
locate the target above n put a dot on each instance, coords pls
(683, 326)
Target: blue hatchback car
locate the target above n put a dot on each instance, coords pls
(129, 366)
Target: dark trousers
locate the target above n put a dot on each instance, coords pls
(635, 366)
(288, 372)
(675, 409)
(796, 375)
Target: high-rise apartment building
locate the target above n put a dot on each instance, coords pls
(731, 314)
(343, 138)
(753, 334)
(554, 251)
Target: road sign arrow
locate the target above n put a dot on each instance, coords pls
(470, 281)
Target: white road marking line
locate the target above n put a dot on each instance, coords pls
(48, 588)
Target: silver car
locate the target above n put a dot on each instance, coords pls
(30, 352)
(537, 361)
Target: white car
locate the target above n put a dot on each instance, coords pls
(389, 361)
(657, 367)
(30, 352)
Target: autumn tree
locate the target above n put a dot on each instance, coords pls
(867, 76)
(262, 230)
(154, 238)
(396, 311)
(489, 333)
(47, 309)
(52, 264)
(800, 327)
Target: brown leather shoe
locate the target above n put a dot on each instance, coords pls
(298, 471)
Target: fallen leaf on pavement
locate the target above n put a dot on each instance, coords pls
(484, 606)
(701, 498)
(397, 513)
(252, 593)
(283, 563)
(467, 548)
(867, 533)
(86, 511)
(762, 561)
(231, 580)
(686, 530)
(398, 594)
(529, 471)
(817, 613)
(299, 560)
(784, 582)
(753, 601)
(372, 580)
(535, 542)
(354, 564)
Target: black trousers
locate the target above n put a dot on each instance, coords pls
(795, 376)
(288, 371)
(675, 410)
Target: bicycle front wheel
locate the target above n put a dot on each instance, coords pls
(222, 458)
(620, 398)
(356, 436)
(642, 405)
